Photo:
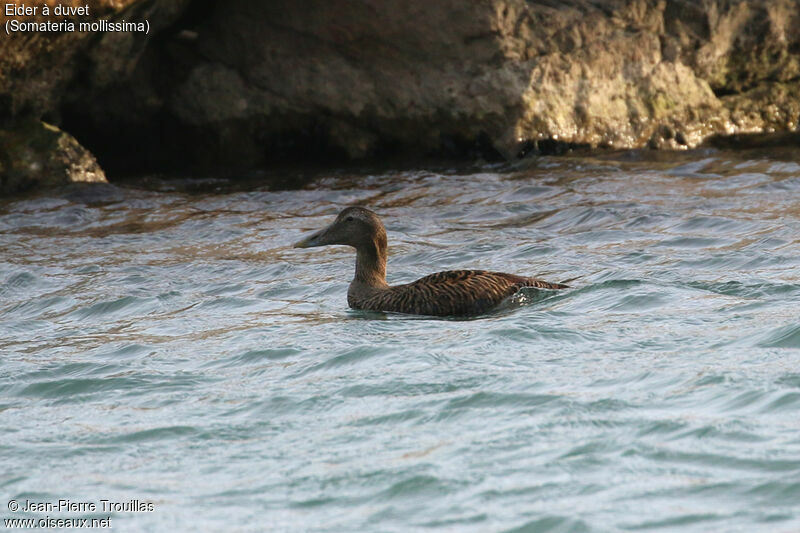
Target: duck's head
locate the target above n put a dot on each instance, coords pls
(355, 226)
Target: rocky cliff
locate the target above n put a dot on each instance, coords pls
(237, 83)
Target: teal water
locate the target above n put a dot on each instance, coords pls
(171, 347)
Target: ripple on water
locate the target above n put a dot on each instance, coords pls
(124, 351)
(43, 305)
(577, 219)
(696, 242)
(348, 357)
(484, 399)
(701, 459)
(17, 282)
(78, 388)
(714, 224)
(789, 184)
(230, 303)
(117, 308)
(782, 337)
(552, 524)
(254, 357)
(416, 486)
(85, 382)
(682, 520)
(526, 334)
(747, 290)
(785, 402)
(169, 433)
(776, 493)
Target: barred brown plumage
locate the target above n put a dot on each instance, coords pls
(450, 293)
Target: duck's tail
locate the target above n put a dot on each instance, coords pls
(541, 284)
(566, 284)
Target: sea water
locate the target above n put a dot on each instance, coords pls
(170, 353)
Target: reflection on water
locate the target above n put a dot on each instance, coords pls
(173, 347)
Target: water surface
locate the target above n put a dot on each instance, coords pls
(172, 347)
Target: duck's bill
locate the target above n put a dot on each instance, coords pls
(310, 241)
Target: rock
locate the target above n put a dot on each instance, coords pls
(765, 108)
(51, 73)
(237, 83)
(34, 153)
(43, 71)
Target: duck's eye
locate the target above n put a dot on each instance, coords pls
(349, 219)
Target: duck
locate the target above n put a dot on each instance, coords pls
(455, 293)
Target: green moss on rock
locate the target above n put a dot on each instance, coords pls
(33, 153)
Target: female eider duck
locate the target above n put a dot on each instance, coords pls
(452, 293)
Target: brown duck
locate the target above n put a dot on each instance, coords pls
(452, 293)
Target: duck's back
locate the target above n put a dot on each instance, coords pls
(451, 293)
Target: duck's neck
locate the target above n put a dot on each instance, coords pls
(371, 264)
